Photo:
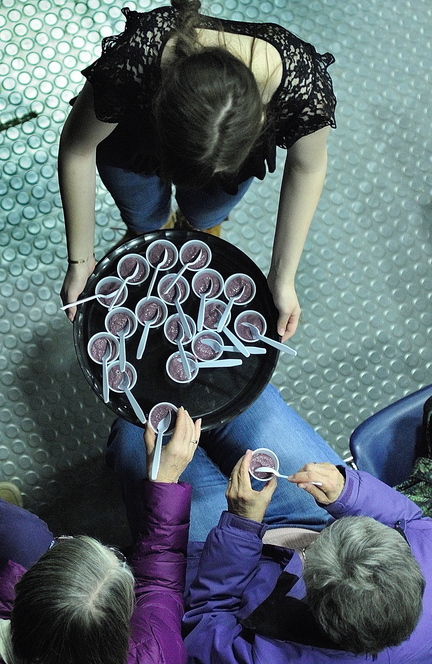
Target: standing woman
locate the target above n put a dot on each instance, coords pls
(185, 99)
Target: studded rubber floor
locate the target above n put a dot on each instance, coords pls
(364, 282)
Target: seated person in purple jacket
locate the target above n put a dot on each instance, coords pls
(79, 602)
(361, 591)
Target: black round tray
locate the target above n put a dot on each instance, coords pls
(216, 395)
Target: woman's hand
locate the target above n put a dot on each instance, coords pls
(178, 453)
(74, 284)
(242, 499)
(331, 478)
(286, 302)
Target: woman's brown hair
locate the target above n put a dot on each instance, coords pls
(209, 111)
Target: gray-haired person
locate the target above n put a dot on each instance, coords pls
(361, 590)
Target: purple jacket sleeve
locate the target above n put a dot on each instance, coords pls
(221, 580)
(159, 562)
(10, 574)
(365, 495)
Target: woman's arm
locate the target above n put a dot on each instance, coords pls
(302, 183)
(80, 137)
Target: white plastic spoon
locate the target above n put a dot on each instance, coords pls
(216, 346)
(257, 336)
(123, 286)
(183, 269)
(158, 267)
(231, 301)
(146, 329)
(124, 387)
(161, 428)
(265, 469)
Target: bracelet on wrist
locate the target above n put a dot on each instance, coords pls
(80, 261)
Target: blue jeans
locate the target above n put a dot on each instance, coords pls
(144, 201)
(23, 536)
(268, 422)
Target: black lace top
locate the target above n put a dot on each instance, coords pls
(126, 76)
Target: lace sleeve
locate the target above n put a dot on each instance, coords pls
(122, 77)
(308, 102)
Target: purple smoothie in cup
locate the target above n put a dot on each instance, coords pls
(148, 309)
(155, 253)
(243, 332)
(127, 266)
(98, 345)
(111, 285)
(190, 254)
(115, 376)
(261, 459)
(212, 313)
(159, 411)
(201, 283)
(234, 285)
(118, 320)
(172, 329)
(169, 296)
(176, 371)
(204, 352)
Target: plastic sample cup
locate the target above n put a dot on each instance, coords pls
(253, 317)
(208, 282)
(97, 346)
(182, 285)
(109, 285)
(213, 311)
(175, 369)
(151, 308)
(171, 329)
(127, 265)
(195, 254)
(240, 283)
(115, 376)
(159, 411)
(116, 320)
(203, 351)
(155, 252)
(263, 457)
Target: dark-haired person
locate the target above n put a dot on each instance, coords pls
(202, 103)
(79, 602)
(361, 591)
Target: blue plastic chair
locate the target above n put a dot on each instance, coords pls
(387, 443)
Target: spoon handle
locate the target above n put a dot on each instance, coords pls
(122, 353)
(176, 278)
(153, 279)
(253, 350)
(200, 319)
(105, 384)
(143, 341)
(135, 405)
(208, 364)
(276, 344)
(223, 319)
(156, 455)
(117, 295)
(237, 343)
(184, 360)
(183, 320)
(85, 299)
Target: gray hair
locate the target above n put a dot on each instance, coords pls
(363, 585)
(74, 606)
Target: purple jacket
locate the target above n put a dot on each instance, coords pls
(233, 578)
(158, 562)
